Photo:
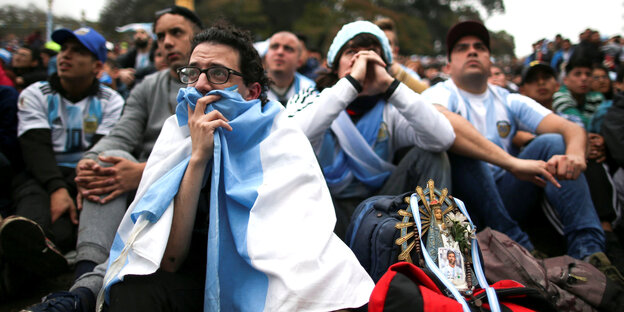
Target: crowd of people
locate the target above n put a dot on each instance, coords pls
(198, 170)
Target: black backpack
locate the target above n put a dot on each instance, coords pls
(372, 232)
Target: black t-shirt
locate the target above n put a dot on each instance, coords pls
(195, 263)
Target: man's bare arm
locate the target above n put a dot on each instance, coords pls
(470, 143)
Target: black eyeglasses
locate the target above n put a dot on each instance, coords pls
(216, 75)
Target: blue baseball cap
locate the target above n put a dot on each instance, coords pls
(89, 38)
(348, 31)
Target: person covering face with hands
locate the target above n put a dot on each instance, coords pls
(358, 116)
(216, 198)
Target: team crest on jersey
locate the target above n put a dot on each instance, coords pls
(90, 124)
(503, 127)
(383, 132)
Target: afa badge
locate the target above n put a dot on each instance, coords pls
(382, 135)
(503, 127)
(90, 124)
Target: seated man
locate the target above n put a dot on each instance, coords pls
(485, 119)
(282, 60)
(208, 228)
(362, 116)
(109, 173)
(138, 57)
(59, 120)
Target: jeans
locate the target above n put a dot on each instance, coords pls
(500, 204)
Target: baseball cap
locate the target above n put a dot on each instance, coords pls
(467, 28)
(89, 38)
(533, 68)
(348, 31)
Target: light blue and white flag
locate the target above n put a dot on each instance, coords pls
(271, 245)
(356, 157)
(134, 27)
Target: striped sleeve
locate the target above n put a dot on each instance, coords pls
(301, 100)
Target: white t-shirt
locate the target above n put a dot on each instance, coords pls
(72, 125)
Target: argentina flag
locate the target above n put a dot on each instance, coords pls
(271, 245)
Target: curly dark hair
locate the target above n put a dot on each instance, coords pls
(240, 40)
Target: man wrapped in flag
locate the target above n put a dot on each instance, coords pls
(232, 212)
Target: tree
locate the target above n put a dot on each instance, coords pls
(421, 24)
(502, 43)
(122, 12)
(20, 21)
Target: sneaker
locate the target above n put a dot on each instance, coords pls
(602, 263)
(62, 301)
(24, 244)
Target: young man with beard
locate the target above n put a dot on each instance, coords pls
(137, 57)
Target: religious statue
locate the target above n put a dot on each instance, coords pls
(446, 235)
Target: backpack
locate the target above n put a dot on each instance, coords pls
(382, 230)
(371, 233)
(568, 283)
(388, 229)
(406, 287)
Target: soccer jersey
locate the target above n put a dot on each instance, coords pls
(72, 125)
(496, 114)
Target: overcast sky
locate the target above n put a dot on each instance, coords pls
(526, 20)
